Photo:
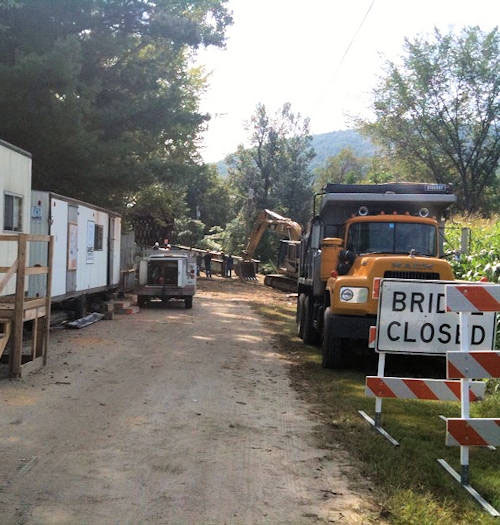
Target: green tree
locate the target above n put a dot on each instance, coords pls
(438, 112)
(344, 168)
(101, 91)
(208, 197)
(188, 232)
(274, 171)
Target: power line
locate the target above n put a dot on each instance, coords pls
(354, 38)
(355, 35)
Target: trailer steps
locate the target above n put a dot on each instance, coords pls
(120, 307)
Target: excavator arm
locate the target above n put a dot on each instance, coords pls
(272, 220)
(275, 222)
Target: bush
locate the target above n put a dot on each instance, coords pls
(483, 259)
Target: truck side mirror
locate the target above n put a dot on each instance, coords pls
(316, 235)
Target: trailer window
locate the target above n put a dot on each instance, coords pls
(392, 237)
(98, 237)
(13, 213)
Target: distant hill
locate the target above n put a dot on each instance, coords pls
(329, 144)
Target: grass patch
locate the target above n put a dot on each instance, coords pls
(410, 485)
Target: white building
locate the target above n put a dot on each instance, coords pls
(15, 201)
(86, 246)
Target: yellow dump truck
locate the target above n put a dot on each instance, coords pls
(364, 233)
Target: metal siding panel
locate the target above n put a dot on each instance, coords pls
(91, 274)
(59, 229)
(71, 274)
(38, 250)
(116, 242)
(81, 271)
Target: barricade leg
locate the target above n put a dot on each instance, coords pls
(377, 422)
(464, 388)
(378, 400)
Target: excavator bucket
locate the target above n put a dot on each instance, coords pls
(245, 270)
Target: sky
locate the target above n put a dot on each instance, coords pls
(322, 56)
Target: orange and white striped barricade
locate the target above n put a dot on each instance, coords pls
(412, 320)
(426, 389)
(467, 365)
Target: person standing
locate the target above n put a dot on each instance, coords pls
(208, 265)
(223, 264)
(199, 260)
(229, 265)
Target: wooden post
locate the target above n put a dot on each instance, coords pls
(48, 299)
(465, 241)
(35, 337)
(16, 354)
(12, 270)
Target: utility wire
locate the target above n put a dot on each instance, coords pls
(348, 48)
(354, 37)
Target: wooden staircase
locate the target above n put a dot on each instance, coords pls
(5, 330)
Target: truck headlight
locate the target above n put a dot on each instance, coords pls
(353, 294)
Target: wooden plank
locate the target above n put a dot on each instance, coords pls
(6, 308)
(38, 238)
(48, 299)
(17, 350)
(34, 303)
(37, 270)
(11, 238)
(10, 272)
(34, 313)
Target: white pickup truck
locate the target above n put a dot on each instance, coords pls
(167, 275)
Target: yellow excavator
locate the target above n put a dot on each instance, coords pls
(288, 258)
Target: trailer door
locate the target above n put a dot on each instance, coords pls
(59, 229)
(72, 261)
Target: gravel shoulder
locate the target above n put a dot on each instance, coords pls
(171, 416)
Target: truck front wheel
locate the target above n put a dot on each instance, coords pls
(331, 349)
(141, 301)
(309, 333)
(300, 315)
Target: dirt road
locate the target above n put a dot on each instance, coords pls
(169, 416)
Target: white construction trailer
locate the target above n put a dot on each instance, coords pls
(86, 246)
(15, 199)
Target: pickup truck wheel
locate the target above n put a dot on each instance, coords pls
(188, 302)
(299, 317)
(310, 336)
(141, 301)
(332, 348)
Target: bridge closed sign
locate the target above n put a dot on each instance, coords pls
(412, 319)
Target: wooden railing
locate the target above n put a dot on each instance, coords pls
(18, 309)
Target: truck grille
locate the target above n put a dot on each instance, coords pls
(429, 276)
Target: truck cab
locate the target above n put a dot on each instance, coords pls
(167, 275)
(364, 233)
